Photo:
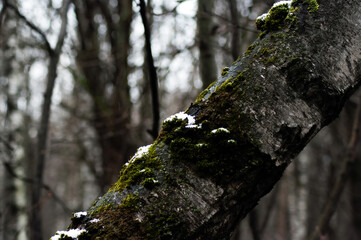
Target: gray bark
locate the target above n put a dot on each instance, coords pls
(199, 178)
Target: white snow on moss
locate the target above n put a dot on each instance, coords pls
(194, 126)
(220, 130)
(265, 15)
(282, 3)
(140, 153)
(73, 233)
(95, 220)
(182, 116)
(80, 214)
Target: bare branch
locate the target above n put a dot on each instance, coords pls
(3, 13)
(152, 72)
(33, 27)
(12, 173)
(64, 24)
(227, 21)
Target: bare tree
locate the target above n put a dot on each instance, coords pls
(106, 78)
(54, 55)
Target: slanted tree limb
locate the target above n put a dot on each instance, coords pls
(210, 165)
(33, 27)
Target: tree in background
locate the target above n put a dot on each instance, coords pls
(206, 38)
(103, 59)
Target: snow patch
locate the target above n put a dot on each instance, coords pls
(194, 126)
(140, 153)
(80, 214)
(220, 130)
(182, 116)
(262, 17)
(95, 220)
(288, 2)
(265, 15)
(73, 233)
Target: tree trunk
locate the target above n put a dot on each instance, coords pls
(210, 165)
(9, 208)
(106, 83)
(206, 39)
(235, 44)
(54, 55)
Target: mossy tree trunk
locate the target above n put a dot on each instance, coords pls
(210, 165)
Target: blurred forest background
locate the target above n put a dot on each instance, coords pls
(77, 99)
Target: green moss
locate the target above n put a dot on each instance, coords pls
(131, 201)
(250, 49)
(103, 204)
(270, 52)
(141, 168)
(116, 223)
(237, 60)
(225, 71)
(272, 60)
(275, 19)
(227, 85)
(219, 155)
(162, 225)
(312, 4)
(204, 93)
(281, 16)
(150, 183)
(231, 82)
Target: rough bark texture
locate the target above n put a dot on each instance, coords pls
(209, 167)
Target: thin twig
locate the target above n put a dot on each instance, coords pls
(57, 199)
(3, 13)
(152, 72)
(331, 204)
(33, 27)
(233, 24)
